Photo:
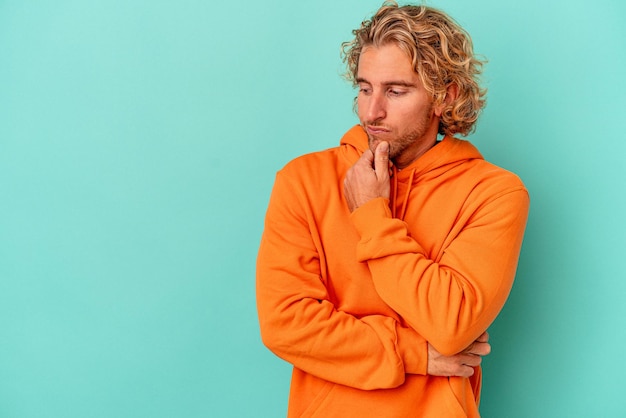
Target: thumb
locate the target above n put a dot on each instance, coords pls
(381, 161)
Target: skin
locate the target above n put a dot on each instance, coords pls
(461, 364)
(401, 119)
(394, 106)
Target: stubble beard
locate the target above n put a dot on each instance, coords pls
(398, 145)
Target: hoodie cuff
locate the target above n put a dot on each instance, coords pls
(413, 350)
(380, 234)
(365, 216)
(371, 221)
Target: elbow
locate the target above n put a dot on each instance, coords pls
(457, 335)
(452, 343)
(449, 346)
(269, 335)
(270, 341)
(276, 333)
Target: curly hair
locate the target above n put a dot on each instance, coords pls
(441, 52)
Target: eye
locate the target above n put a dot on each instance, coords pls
(396, 92)
(365, 90)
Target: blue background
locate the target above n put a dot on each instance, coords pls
(138, 146)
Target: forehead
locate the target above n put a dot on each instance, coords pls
(386, 62)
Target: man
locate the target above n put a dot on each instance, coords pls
(384, 260)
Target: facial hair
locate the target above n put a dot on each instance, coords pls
(406, 141)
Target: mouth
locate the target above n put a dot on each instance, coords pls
(375, 130)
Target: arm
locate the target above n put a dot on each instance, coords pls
(461, 364)
(450, 302)
(300, 324)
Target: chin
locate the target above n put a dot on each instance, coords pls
(373, 143)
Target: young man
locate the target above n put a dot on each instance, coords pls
(384, 260)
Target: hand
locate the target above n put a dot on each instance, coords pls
(368, 178)
(461, 364)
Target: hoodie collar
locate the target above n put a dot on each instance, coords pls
(447, 153)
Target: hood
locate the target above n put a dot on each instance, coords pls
(447, 154)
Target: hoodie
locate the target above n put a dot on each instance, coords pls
(351, 299)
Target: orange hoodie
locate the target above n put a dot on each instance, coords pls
(351, 299)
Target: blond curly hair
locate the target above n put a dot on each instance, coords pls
(441, 52)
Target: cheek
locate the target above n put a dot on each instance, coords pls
(407, 118)
(359, 104)
(417, 114)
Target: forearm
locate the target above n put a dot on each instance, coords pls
(449, 310)
(366, 353)
(299, 319)
(452, 300)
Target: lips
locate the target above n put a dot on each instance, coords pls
(375, 130)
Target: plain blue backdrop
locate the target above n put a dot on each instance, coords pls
(138, 146)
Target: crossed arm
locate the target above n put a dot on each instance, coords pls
(368, 179)
(461, 364)
(300, 324)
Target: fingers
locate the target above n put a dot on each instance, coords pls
(464, 365)
(466, 371)
(461, 364)
(368, 178)
(381, 161)
(478, 349)
(470, 360)
(367, 159)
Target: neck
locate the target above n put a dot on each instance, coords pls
(414, 152)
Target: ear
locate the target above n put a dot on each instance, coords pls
(451, 94)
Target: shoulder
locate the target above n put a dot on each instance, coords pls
(491, 173)
(496, 187)
(319, 162)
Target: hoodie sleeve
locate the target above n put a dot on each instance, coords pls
(300, 324)
(450, 302)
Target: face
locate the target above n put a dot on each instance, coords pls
(393, 104)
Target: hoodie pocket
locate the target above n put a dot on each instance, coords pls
(452, 401)
(318, 401)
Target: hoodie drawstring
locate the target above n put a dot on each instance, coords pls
(394, 194)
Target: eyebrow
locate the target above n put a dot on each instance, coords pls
(398, 83)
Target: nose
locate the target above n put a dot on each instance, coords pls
(374, 107)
